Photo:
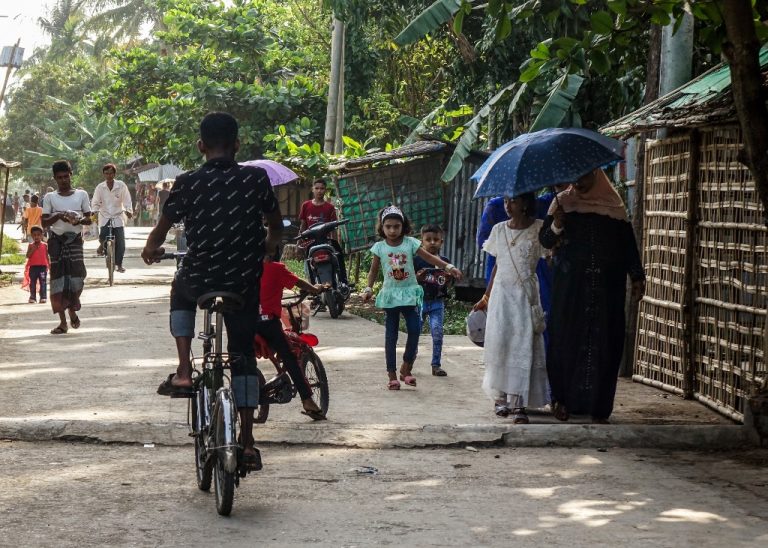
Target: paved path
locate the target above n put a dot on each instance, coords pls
(100, 380)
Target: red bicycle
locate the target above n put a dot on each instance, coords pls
(280, 389)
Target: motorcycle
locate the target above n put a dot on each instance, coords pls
(322, 264)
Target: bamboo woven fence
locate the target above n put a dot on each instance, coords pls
(701, 324)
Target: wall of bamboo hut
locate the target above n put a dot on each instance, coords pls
(701, 323)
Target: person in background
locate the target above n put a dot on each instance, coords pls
(318, 210)
(494, 213)
(63, 212)
(47, 191)
(33, 215)
(435, 282)
(36, 269)
(162, 196)
(400, 293)
(514, 353)
(596, 251)
(111, 199)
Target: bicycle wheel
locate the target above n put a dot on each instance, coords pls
(110, 255)
(225, 466)
(314, 371)
(262, 411)
(203, 463)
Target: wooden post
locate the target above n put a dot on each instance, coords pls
(638, 220)
(689, 275)
(2, 221)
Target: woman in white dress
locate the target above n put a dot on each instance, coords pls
(515, 364)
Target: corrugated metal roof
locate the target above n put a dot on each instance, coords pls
(702, 101)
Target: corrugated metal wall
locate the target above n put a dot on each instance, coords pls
(461, 221)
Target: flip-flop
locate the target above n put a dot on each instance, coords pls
(410, 380)
(394, 384)
(166, 388)
(315, 415)
(58, 330)
(74, 323)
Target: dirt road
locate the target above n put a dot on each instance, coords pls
(61, 495)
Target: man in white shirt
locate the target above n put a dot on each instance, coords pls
(110, 200)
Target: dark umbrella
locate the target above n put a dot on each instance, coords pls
(543, 158)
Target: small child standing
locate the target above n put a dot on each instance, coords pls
(435, 283)
(36, 268)
(400, 292)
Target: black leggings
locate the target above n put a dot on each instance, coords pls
(272, 331)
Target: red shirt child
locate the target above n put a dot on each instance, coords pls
(36, 269)
(274, 278)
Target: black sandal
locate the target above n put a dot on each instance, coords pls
(315, 414)
(167, 388)
(560, 412)
(439, 372)
(521, 417)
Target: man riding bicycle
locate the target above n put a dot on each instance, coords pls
(223, 206)
(110, 199)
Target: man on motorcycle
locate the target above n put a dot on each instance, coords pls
(318, 210)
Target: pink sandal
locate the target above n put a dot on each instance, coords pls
(410, 380)
(394, 384)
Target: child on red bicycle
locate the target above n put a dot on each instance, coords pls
(274, 278)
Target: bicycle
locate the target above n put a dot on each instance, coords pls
(280, 389)
(212, 412)
(109, 251)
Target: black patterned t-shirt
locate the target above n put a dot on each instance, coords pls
(222, 205)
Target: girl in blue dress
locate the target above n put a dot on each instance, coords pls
(400, 293)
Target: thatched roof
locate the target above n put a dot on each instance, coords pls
(706, 100)
(419, 148)
(7, 164)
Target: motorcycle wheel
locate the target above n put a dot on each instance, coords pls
(332, 303)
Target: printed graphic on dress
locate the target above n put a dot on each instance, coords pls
(398, 262)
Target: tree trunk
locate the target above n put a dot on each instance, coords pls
(743, 51)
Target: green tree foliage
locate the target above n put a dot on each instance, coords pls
(86, 140)
(211, 57)
(46, 92)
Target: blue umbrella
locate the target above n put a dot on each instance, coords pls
(543, 158)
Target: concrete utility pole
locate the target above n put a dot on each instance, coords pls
(335, 87)
(676, 55)
(11, 64)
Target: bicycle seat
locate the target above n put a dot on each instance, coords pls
(231, 301)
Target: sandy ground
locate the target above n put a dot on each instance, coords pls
(60, 495)
(110, 367)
